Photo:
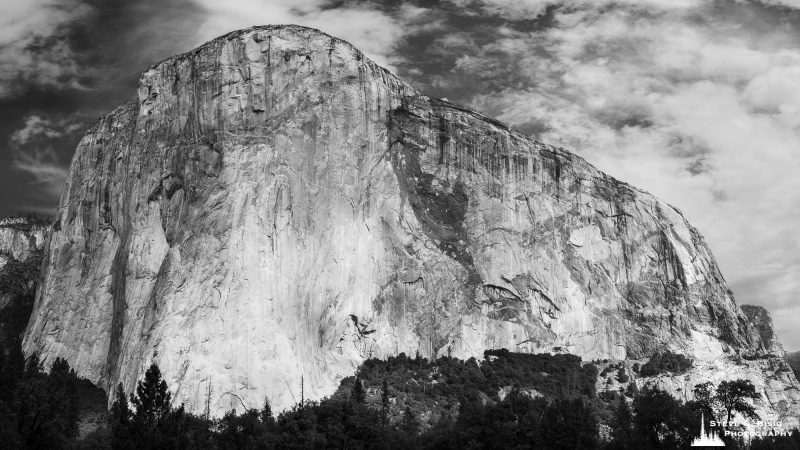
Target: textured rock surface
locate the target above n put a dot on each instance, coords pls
(760, 317)
(273, 204)
(772, 377)
(793, 359)
(22, 240)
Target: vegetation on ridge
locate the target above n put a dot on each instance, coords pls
(507, 400)
(666, 362)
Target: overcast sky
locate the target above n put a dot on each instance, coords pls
(697, 102)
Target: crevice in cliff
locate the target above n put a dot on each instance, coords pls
(672, 269)
(495, 292)
(119, 309)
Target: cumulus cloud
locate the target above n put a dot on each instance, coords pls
(696, 103)
(33, 45)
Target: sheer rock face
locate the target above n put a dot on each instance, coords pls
(273, 205)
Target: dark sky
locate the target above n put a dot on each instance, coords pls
(696, 101)
(83, 60)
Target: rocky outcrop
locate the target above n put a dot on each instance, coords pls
(774, 382)
(274, 205)
(21, 238)
(22, 241)
(762, 321)
(793, 359)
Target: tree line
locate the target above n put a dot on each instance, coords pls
(390, 404)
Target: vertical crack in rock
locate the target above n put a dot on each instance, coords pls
(118, 313)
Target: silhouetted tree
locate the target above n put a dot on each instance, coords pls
(266, 414)
(568, 424)
(704, 396)
(119, 420)
(12, 368)
(653, 409)
(152, 399)
(734, 396)
(240, 431)
(46, 404)
(155, 424)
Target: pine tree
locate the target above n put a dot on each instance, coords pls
(152, 400)
(358, 394)
(266, 413)
(120, 420)
(120, 410)
(409, 424)
(385, 403)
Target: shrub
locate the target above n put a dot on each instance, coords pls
(666, 362)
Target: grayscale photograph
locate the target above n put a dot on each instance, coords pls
(380, 224)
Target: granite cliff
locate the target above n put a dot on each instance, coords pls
(273, 204)
(22, 241)
(760, 318)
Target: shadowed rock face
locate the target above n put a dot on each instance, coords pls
(273, 204)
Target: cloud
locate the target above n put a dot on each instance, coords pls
(34, 47)
(33, 154)
(371, 30)
(787, 3)
(47, 174)
(508, 9)
(38, 128)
